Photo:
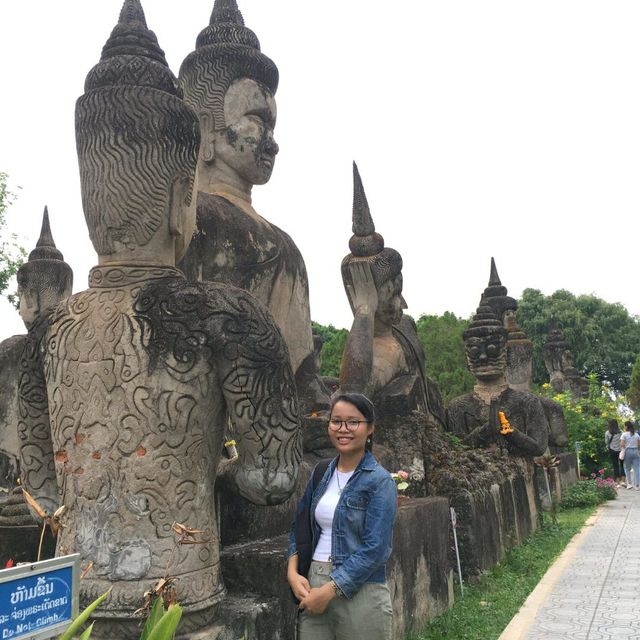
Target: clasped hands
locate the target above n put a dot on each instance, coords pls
(313, 600)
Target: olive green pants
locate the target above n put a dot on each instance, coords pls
(366, 616)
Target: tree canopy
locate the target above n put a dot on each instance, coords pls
(604, 337)
(441, 337)
(333, 345)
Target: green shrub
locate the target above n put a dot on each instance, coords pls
(589, 493)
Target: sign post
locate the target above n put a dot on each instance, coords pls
(454, 522)
(39, 600)
(578, 447)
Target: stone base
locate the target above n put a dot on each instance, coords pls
(419, 576)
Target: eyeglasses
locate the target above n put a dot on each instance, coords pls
(351, 425)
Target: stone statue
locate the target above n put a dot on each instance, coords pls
(147, 375)
(43, 281)
(520, 357)
(474, 417)
(558, 359)
(231, 84)
(383, 357)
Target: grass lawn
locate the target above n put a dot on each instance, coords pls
(489, 605)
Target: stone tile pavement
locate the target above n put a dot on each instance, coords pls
(592, 592)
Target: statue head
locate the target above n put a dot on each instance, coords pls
(137, 145)
(495, 295)
(485, 342)
(386, 264)
(231, 85)
(45, 279)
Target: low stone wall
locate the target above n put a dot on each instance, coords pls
(419, 575)
(494, 518)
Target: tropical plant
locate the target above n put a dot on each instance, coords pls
(161, 623)
(11, 253)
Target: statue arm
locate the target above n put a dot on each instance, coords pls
(536, 439)
(357, 359)
(262, 406)
(36, 447)
(474, 432)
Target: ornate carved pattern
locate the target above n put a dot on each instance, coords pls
(141, 377)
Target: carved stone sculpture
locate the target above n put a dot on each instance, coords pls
(147, 375)
(474, 417)
(383, 357)
(43, 281)
(520, 357)
(231, 84)
(558, 359)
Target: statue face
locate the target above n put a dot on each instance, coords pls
(246, 145)
(486, 356)
(29, 306)
(390, 301)
(509, 319)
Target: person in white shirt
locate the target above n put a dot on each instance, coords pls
(629, 442)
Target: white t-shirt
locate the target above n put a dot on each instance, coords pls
(630, 441)
(324, 513)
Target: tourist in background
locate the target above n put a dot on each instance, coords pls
(612, 442)
(629, 447)
(351, 512)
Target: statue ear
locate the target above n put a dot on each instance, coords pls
(208, 137)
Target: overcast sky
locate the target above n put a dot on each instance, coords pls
(481, 128)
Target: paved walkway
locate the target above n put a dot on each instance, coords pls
(592, 592)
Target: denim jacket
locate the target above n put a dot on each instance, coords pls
(362, 524)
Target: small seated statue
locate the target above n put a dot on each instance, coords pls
(132, 388)
(43, 281)
(383, 356)
(231, 85)
(474, 417)
(520, 357)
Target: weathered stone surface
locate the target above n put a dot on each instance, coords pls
(231, 84)
(474, 417)
(131, 388)
(43, 281)
(10, 352)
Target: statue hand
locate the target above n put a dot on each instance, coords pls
(362, 290)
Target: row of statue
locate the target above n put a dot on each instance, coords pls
(195, 329)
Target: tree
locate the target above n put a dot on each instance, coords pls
(11, 254)
(633, 392)
(333, 345)
(441, 337)
(603, 337)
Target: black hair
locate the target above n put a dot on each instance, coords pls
(359, 401)
(630, 426)
(613, 426)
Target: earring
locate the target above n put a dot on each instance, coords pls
(369, 440)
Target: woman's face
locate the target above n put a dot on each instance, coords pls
(346, 440)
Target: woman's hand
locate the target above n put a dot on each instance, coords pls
(362, 289)
(318, 599)
(299, 585)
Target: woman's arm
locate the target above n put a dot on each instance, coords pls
(376, 541)
(299, 584)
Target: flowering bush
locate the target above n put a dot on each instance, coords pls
(587, 420)
(589, 493)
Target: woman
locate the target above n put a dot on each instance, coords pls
(352, 511)
(612, 442)
(629, 445)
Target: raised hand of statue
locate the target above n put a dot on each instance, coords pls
(362, 289)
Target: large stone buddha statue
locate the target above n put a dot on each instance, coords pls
(474, 417)
(519, 369)
(231, 85)
(559, 361)
(141, 379)
(43, 281)
(383, 356)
